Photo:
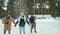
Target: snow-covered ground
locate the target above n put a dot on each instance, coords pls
(44, 26)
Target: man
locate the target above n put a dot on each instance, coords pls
(22, 20)
(7, 20)
(33, 24)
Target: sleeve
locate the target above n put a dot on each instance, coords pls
(3, 20)
(27, 21)
(18, 20)
(12, 20)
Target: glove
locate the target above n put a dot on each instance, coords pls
(15, 25)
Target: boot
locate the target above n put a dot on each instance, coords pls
(35, 31)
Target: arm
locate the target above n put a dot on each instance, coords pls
(3, 20)
(18, 20)
(12, 20)
(16, 23)
(27, 21)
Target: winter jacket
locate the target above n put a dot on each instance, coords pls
(22, 21)
(7, 23)
(32, 19)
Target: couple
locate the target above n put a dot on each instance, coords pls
(7, 20)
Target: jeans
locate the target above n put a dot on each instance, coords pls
(22, 29)
(6, 31)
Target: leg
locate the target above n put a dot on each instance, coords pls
(4, 31)
(31, 28)
(23, 30)
(35, 28)
(20, 28)
(9, 31)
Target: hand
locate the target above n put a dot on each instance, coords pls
(15, 25)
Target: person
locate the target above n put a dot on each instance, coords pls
(55, 15)
(7, 20)
(32, 23)
(22, 20)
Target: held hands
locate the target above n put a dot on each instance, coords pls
(15, 25)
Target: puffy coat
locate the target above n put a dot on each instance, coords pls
(8, 26)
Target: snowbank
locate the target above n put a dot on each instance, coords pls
(42, 16)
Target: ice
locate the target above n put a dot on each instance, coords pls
(44, 26)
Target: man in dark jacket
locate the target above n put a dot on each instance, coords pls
(33, 24)
(22, 20)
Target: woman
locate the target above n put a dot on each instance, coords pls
(22, 20)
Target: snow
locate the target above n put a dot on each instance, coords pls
(44, 26)
(42, 16)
